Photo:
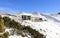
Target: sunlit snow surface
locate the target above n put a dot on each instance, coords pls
(57, 16)
(49, 28)
(15, 36)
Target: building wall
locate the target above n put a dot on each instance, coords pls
(36, 19)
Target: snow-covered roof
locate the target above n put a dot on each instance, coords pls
(23, 13)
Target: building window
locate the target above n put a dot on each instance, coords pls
(23, 17)
(40, 19)
(26, 17)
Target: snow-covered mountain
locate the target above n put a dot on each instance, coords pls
(57, 16)
(49, 27)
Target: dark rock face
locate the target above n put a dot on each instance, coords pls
(59, 13)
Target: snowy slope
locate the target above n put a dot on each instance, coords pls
(51, 17)
(15, 35)
(49, 28)
(57, 16)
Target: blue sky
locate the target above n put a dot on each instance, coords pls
(43, 6)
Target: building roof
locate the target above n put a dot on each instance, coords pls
(23, 13)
